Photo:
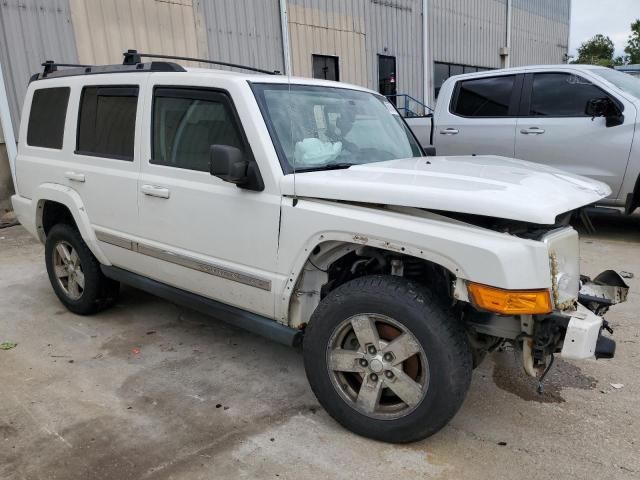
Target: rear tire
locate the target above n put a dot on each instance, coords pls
(403, 397)
(75, 273)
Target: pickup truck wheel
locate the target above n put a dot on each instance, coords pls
(386, 359)
(75, 273)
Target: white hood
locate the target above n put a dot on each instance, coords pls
(481, 185)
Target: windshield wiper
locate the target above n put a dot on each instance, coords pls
(328, 166)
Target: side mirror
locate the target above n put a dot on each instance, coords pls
(231, 165)
(605, 107)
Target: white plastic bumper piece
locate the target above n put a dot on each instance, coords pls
(582, 334)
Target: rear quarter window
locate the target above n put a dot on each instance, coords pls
(47, 117)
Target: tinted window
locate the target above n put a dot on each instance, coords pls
(484, 97)
(46, 120)
(187, 122)
(561, 95)
(107, 121)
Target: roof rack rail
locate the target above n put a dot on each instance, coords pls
(50, 66)
(133, 57)
(51, 69)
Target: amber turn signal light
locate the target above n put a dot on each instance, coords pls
(510, 302)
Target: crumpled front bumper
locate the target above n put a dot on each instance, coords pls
(584, 338)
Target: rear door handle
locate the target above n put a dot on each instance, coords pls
(155, 191)
(74, 176)
(532, 131)
(449, 131)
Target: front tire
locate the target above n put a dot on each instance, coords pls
(75, 273)
(386, 359)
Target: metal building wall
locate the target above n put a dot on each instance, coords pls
(394, 27)
(471, 32)
(243, 31)
(468, 32)
(358, 31)
(329, 27)
(540, 31)
(106, 28)
(32, 31)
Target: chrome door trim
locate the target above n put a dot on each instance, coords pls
(185, 261)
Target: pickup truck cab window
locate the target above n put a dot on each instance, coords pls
(316, 128)
(484, 97)
(46, 120)
(107, 121)
(186, 122)
(561, 95)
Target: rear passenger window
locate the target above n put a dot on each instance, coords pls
(561, 95)
(107, 121)
(484, 97)
(47, 116)
(186, 122)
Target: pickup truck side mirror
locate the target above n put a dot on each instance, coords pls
(605, 107)
(231, 165)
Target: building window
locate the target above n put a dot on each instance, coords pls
(107, 121)
(326, 67)
(387, 80)
(46, 120)
(442, 71)
(484, 97)
(186, 122)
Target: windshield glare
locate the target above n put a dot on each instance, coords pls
(318, 127)
(624, 81)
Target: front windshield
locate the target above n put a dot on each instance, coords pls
(316, 128)
(624, 81)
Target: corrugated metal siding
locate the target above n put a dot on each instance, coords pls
(106, 28)
(471, 32)
(540, 31)
(396, 25)
(358, 31)
(32, 31)
(468, 32)
(328, 27)
(244, 31)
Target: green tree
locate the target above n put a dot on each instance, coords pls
(596, 51)
(633, 44)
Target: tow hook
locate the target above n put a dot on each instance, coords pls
(605, 346)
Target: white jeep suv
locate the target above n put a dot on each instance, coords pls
(305, 211)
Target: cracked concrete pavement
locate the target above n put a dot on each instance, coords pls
(150, 390)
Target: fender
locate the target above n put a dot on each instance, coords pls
(69, 198)
(468, 252)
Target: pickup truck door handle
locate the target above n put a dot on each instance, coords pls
(74, 176)
(532, 131)
(155, 191)
(449, 131)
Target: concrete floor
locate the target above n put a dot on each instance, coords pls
(150, 390)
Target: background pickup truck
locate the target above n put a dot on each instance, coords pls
(579, 118)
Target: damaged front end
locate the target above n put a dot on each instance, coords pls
(574, 328)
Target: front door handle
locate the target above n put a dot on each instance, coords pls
(74, 176)
(532, 131)
(449, 131)
(155, 191)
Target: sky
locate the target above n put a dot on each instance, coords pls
(609, 17)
